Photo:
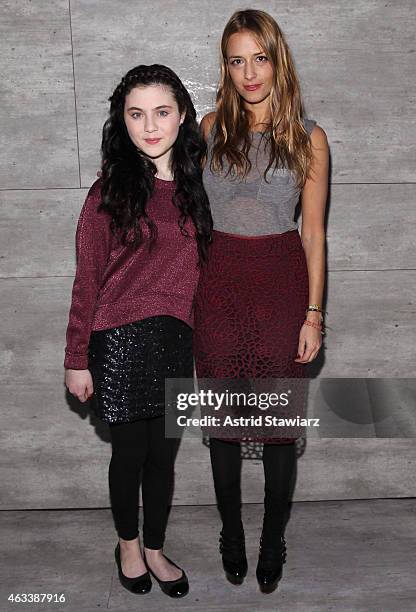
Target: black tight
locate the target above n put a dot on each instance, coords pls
(141, 445)
(279, 463)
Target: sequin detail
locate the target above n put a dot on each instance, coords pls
(129, 365)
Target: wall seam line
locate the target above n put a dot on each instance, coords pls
(75, 92)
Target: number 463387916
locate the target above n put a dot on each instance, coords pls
(36, 597)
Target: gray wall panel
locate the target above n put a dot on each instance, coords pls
(37, 118)
(54, 459)
(51, 457)
(32, 329)
(371, 316)
(371, 324)
(370, 227)
(355, 62)
(37, 231)
(134, 36)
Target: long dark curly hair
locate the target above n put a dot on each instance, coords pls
(128, 175)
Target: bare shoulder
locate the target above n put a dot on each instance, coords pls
(207, 123)
(318, 137)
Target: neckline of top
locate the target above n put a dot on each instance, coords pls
(267, 132)
(304, 119)
(171, 184)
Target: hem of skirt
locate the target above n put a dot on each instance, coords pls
(259, 440)
(130, 419)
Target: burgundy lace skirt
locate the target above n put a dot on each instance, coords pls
(249, 308)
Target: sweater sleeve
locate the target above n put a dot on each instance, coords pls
(93, 245)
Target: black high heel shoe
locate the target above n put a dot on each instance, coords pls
(270, 565)
(140, 585)
(172, 588)
(234, 560)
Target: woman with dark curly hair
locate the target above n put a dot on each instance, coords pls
(258, 309)
(141, 235)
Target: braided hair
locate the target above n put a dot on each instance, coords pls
(128, 175)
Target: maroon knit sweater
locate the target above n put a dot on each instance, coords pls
(115, 285)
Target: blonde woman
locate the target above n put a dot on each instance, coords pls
(258, 310)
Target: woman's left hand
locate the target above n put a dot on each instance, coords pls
(310, 341)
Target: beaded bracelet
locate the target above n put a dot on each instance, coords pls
(321, 318)
(315, 325)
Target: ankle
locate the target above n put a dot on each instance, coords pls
(234, 529)
(272, 551)
(152, 553)
(130, 547)
(272, 537)
(129, 544)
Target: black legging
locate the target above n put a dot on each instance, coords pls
(136, 446)
(279, 463)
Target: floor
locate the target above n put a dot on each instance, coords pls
(342, 555)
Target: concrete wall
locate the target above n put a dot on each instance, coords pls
(61, 61)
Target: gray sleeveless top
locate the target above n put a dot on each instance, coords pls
(251, 206)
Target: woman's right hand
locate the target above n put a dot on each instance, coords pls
(79, 383)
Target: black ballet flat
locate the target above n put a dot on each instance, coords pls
(140, 585)
(173, 588)
(270, 565)
(234, 560)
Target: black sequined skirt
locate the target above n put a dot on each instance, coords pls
(129, 365)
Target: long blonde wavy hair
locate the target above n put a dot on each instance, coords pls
(289, 143)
